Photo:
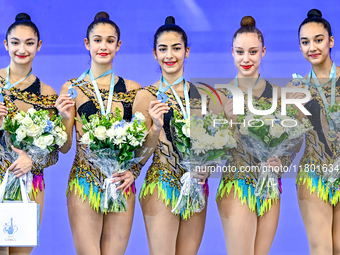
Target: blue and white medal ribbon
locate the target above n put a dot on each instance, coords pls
(236, 81)
(331, 134)
(162, 95)
(230, 95)
(99, 97)
(73, 92)
(8, 85)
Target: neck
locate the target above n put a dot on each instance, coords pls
(19, 71)
(98, 69)
(323, 69)
(247, 81)
(171, 78)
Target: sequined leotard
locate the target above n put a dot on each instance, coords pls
(164, 172)
(84, 179)
(17, 100)
(319, 153)
(244, 182)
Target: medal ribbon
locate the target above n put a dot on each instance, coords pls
(332, 77)
(99, 97)
(186, 113)
(236, 81)
(8, 85)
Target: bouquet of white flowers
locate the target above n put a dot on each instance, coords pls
(200, 142)
(112, 142)
(331, 176)
(37, 134)
(267, 136)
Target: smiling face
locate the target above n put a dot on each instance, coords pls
(247, 51)
(171, 52)
(315, 43)
(22, 44)
(102, 43)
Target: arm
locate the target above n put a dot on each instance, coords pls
(153, 111)
(67, 110)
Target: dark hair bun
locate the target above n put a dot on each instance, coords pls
(170, 20)
(101, 15)
(314, 13)
(247, 21)
(22, 16)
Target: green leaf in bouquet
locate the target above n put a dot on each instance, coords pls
(215, 154)
(180, 146)
(92, 137)
(83, 119)
(51, 148)
(186, 141)
(260, 132)
(23, 114)
(277, 141)
(118, 114)
(334, 108)
(13, 137)
(29, 139)
(266, 139)
(291, 111)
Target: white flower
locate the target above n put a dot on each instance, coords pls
(282, 117)
(121, 132)
(198, 146)
(276, 130)
(60, 140)
(119, 140)
(232, 142)
(21, 133)
(40, 142)
(134, 142)
(139, 128)
(48, 140)
(197, 132)
(244, 130)
(85, 139)
(221, 139)
(111, 133)
(186, 130)
(100, 133)
(31, 111)
(18, 117)
(94, 120)
(57, 130)
(218, 143)
(139, 116)
(268, 119)
(34, 130)
(27, 121)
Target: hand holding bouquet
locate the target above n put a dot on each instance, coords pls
(112, 142)
(332, 175)
(36, 133)
(200, 142)
(267, 136)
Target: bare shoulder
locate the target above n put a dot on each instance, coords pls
(66, 84)
(47, 90)
(337, 71)
(144, 93)
(131, 85)
(3, 72)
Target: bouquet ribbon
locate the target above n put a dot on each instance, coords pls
(114, 193)
(185, 180)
